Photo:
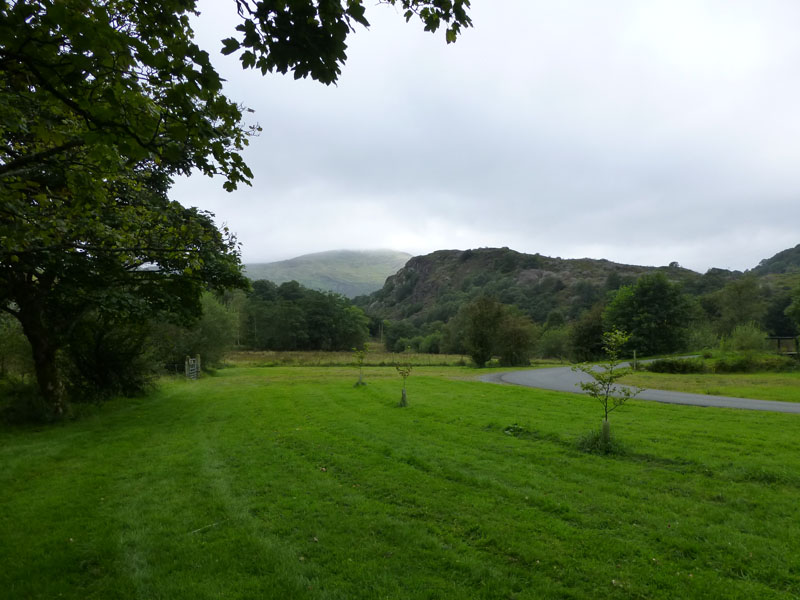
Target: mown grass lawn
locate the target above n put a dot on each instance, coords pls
(784, 387)
(290, 483)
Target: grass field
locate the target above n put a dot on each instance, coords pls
(784, 387)
(289, 483)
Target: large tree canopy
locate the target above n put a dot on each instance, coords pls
(121, 78)
(102, 102)
(79, 244)
(654, 311)
(130, 82)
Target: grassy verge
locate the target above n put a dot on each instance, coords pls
(290, 483)
(783, 387)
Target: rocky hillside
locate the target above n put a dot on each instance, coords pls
(347, 272)
(433, 287)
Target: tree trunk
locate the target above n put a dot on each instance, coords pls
(606, 435)
(44, 363)
(403, 398)
(360, 381)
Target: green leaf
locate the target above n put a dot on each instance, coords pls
(229, 46)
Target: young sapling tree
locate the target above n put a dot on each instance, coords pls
(603, 386)
(358, 355)
(404, 370)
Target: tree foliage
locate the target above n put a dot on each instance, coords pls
(776, 321)
(481, 321)
(113, 83)
(655, 313)
(486, 328)
(516, 338)
(15, 351)
(792, 311)
(102, 103)
(586, 335)
(310, 39)
(292, 317)
(554, 343)
(210, 336)
(107, 356)
(603, 385)
(741, 301)
(115, 247)
(126, 79)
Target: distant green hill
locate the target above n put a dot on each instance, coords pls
(347, 272)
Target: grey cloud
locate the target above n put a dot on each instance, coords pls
(640, 132)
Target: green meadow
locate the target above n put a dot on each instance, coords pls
(784, 387)
(288, 482)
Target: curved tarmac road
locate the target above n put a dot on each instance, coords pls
(564, 379)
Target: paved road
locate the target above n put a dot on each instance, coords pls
(564, 379)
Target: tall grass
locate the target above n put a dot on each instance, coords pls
(373, 358)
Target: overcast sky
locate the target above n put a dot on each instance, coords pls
(641, 132)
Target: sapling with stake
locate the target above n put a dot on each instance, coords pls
(359, 354)
(404, 370)
(603, 386)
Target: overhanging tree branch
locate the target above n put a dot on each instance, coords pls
(22, 164)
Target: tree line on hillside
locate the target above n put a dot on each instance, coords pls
(660, 316)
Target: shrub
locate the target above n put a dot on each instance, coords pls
(701, 335)
(395, 331)
(431, 344)
(677, 365)
(594, 442)
(20, 402)
(516, 336)
(751, 363)
(416, 342)
(16, 359)
(210, 336)
(106, 359)
(554, 343)
(746, 337)
(401, 345)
